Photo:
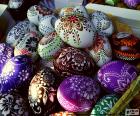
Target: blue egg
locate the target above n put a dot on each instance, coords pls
(15, 73)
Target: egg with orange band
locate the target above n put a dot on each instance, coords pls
(126, 46)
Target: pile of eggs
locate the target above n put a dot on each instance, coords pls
(66, 63)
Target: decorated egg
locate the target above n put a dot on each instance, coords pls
(36, 12)
(116, 76)
(101, 50)
(18, 31)
(13, 104)
(102, 23)
(76, 31)
(46, 24)
(49, 46)
(6, 52)
(78, 93)
(15, 4)
(72, 61)
(66, 11)
(15, 73)
(28, 46)
(105, 104)
(63, 113)
(132, 3)
(42, 92)
(126, 46)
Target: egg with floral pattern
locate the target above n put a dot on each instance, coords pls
(12, 104)
(28, 46)
(6, 52)
(101, 50)
(15, 73)
(15, 4)
(77, 31)
(36, 12)
(126, 46)
(49, 46)
(73, 61)
(18, 31)
(46, 24)
(42, 92)
(102, 23)
(63, 113)
(78, 93)
(116, 76)
(104, 105)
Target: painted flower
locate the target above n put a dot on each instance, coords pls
(23, 75)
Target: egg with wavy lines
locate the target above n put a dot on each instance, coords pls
(16, 72)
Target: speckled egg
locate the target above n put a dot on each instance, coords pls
(13, 104)
(102, 23)
(46, 24)
(76, 31)
(15, 4)
(105, 104)
(78, 93)
(18, 31)
(28, 46)
(63, 113)
(6, 52)
(73, 61)
(101, 50)
(42, 92)
(15, 73)
(36, 12)
(49, 46)
(116, 76)
(126, 46)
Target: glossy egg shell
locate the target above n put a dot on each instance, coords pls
(28, 46)
(116, 76)
(78, 93)
(36, 12)
(126, 46)
(18, 31)
(42, 92)
(104, 105)
(77, 31)
(15, 73)
(49, 46)
(6, 52)
(13, 104)
(102, 23)
(72, 61)
(101, 50)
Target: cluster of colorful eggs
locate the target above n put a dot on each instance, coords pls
(83, 63)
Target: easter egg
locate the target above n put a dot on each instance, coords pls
(46, 24)
(101, 50)
(63, 113)
(15, 4)
(6, 52)
(18, 31)
(126, 46)
(78, 93)
(13, 104)
(28, 46)
(132, 3)
(77, 31)
(104, 105)
(116, 76)
(15, 73)
(72, 61)
(102, 23)
(36, 12)
(42, 92)
(49, 46)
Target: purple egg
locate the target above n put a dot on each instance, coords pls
(15, 73)
(78, 93)
(116, 76)
(131, 3)
(6, 52)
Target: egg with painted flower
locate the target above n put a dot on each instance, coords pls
(15, 73)
(42, 92)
